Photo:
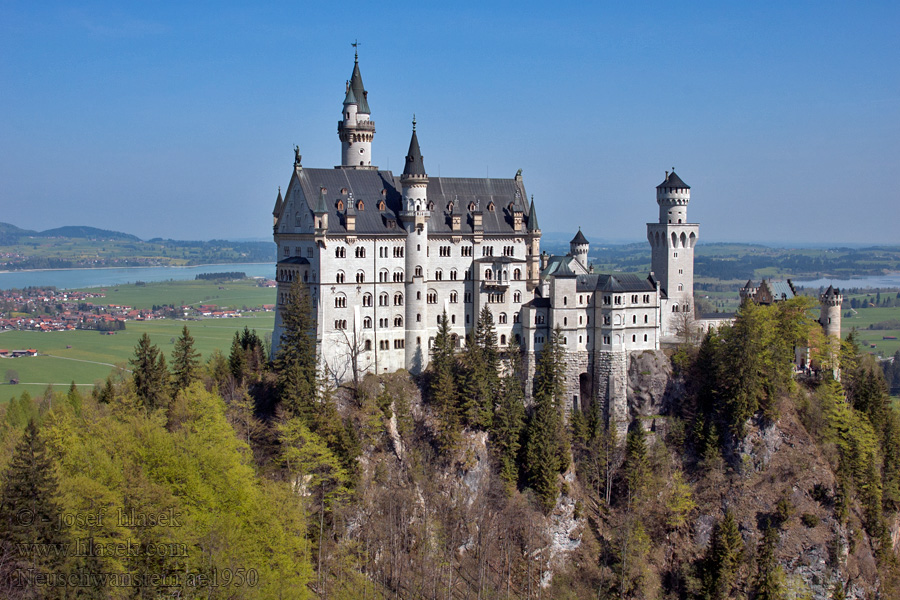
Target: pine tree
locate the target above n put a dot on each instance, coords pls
(442, 386)
(29, 508)
(296, 361)
(722, 558)
(770, 582)
(637, 465)
(546, 447)
(149, 374)
(237, 362)
(185, 361)
(509, 420)
(73, 398)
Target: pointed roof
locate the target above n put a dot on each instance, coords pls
(350, 98)
(359, 91)
(532, 217)
(564, 270)
(278, 202)
(415, 165)
(673, 181)
(579, 239)
(321, 206)
(831, 292)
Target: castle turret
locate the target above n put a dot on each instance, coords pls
(533, 248)
(356, 129)
(415, 216)
(830, 311)
(672, 242)
(579, 248)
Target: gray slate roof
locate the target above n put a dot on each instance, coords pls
(673, 181)
(415, 164)
(367, 186)
(579, 238)
(359, 91)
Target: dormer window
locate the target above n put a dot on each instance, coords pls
(360, 205)
(381, 205)
(343, 191)
(340, 205)
(471, 206)
(450, 207)
(491, 206)
(430, 205)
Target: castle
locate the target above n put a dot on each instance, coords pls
(385, 256)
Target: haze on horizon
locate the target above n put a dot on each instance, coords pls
(178, 120)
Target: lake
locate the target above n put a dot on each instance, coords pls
(891, 280)
(81, 278)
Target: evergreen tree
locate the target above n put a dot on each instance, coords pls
(637, 465)
(722, 559)
(185, 361)
(509, 420)
(442, 386)
(237, 363)
(29, 508)
(73, 398)
(770, 581)
(480, 382)
(546, 447)
(296, 362)
(149, 374)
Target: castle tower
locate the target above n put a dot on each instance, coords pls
(579, 247)
(415, 215)
(533, 249)
(672, 242)
(356, 129)
(830, 311)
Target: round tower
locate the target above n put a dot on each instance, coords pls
(830, 311)
(579, 248)
(355, 129)
(415, 215)
(672, 240)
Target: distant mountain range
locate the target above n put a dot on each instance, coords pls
(10, 234)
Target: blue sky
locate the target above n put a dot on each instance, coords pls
(178, 120)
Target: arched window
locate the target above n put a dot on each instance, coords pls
(360, 252)
(367, 299)
(398, 299)
(339, 277)
(398, 276)
(383, 275)
(398, 321)
(503, 339)
(368, 346)
(340, 301)
(367, 322)
(517, 274)
(454, 297)
(453, 274)
(501, 318)
(418, 271)
(360, 277)
(383, 299)
(517, 297)
(439, 274)
(488, 274)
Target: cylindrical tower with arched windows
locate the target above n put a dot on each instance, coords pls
(672, 242)
(415, 215)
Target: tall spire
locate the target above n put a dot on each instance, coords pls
(532, 217)
(358, 89)
(415, 164)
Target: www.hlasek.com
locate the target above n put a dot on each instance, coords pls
(238, 577)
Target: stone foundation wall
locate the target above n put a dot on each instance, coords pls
(610, 388)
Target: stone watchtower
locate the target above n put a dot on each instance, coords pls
(579, 248)
(355, 129)
(415, 216)
(830, 311)
(672, 242)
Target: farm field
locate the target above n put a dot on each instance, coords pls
(868, 316)
(230, 294)
(92, 355)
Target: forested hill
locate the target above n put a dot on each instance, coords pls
(737, 477)
(88, 247)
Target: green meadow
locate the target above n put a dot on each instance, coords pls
(86, 357)
(228, 294)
